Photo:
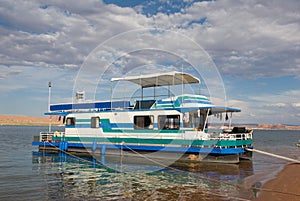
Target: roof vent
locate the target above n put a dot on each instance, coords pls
(80, 96)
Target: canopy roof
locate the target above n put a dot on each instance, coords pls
(160, 79)
(221, 109)
(214, 109)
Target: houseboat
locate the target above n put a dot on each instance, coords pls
(172, 127)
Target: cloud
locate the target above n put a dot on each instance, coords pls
(7, 72)
(285, 97)
(296, 105)
(277, 105)
(249, 39)
(246, 39)
(37, 38)
(279, 108)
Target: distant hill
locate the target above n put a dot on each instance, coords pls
(277, 127)
(27, 121)
(269, 126)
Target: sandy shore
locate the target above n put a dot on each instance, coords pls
(25, 120)
(286, 186)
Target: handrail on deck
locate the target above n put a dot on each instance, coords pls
(47, 136)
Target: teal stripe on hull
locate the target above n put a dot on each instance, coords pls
(224, 143)
(83, 120)
(109, 130)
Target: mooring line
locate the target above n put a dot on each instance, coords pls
(274, 155)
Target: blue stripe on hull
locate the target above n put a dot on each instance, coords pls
(111, 125)
(188, 150)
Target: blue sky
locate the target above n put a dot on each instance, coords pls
(254, 45)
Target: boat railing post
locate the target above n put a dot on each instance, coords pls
(41, 136)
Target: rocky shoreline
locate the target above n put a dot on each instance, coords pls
(277, 127)
(268, 126)
(27, 121)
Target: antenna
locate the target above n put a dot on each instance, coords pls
(49, 97)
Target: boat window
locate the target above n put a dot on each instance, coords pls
(168, 122)
(70, 121)
(143, 104)
(194, 119)
(95, 122)
(143, 122)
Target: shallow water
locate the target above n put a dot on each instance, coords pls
(27, 175)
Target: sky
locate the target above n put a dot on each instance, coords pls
(245, 51)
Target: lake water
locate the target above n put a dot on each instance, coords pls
(27, 175)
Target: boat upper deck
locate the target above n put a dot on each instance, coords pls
(182, 103)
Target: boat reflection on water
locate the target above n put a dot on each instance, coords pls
(243, 169)
(139, 179)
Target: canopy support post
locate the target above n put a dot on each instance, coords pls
(230, 119)
(110, 95)
(205, 123)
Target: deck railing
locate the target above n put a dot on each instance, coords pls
(236, 136)
(47, 136)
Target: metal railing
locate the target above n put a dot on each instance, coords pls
(236, 136)
(46, 136)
